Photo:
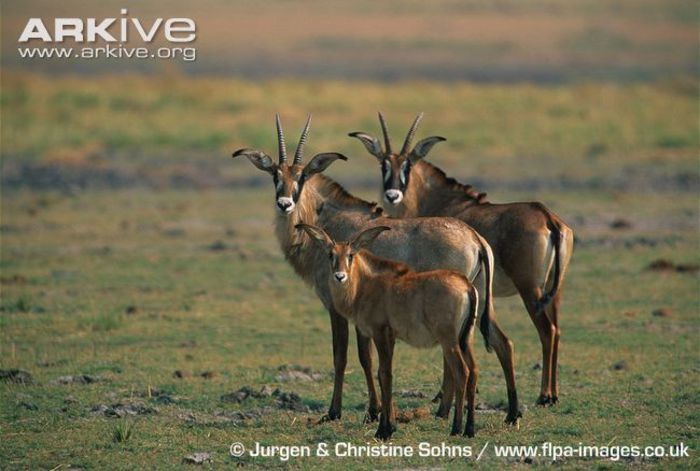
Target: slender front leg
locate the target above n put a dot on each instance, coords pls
(364, 351)
(385, 348)
(339, 329)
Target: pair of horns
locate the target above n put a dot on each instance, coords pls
(409, 137)
(283, 147)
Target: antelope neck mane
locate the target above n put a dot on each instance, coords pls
(449, 188)
(378, 265)
(334, 194)
(318, 193)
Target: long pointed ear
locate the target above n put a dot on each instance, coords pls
(423, 147)
(371, 143)
(366, 237)
(320, 162)
(259, 159)
(317, 234)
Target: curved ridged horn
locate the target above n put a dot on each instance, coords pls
(411, 132)
(280, 140)
(302, 140)
(385, 131)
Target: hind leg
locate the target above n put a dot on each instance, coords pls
(447, 390)
(458, 370)
(545, 329)
(469, 428)
(504, 351)
(553, 314)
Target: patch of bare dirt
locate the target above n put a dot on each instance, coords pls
(297, 373)
(77, 379)
(411, 393)
(16, 376)
(124, 409)
(199, 458)
(13, 280)
(283, 399)
(662, 312)
(405, 416)
(665, 265)
(246, 392)
(620, 224)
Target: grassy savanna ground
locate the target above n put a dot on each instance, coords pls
(584, 132)
(130, 284)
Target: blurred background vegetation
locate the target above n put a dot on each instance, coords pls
(596, 92)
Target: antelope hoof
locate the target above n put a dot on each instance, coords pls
(469, 431)
(514, 420)
(329, 417)
(443, 412)
(513, 417)
(384, 432)
(544, 400)
(555, 400)
(370, 416)
(456, 430)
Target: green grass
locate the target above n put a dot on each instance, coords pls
(241, 313)
(122, 431)
(138, 122)
(128, 285)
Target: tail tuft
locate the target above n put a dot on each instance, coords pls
(556, 237)
(484, 326)
(486, 262)
(469, 319)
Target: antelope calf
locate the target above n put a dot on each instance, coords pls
(387, 300)
(531, 245)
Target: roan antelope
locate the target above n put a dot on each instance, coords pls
(532, 246)
(303, 194)
(387, 300)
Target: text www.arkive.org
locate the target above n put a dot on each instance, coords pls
(187, 54)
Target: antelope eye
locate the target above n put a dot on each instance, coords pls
(350, 256)
(330, 255)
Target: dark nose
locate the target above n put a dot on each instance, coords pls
(283, 205)
(392, 197)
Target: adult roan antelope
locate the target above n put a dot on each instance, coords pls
(303, 194)
(387, 300)
(532, 246)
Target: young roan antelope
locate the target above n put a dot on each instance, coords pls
(303, 194)
(532, 246)
(387, 300)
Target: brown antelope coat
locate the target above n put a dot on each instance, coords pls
(532, 246)
(387, 300)
(304, 195)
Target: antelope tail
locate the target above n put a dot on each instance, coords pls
(486, 263)
(468, 319)
(556, 236)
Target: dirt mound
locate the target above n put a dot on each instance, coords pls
(665, 265)
(122, 410)
(16, 376)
